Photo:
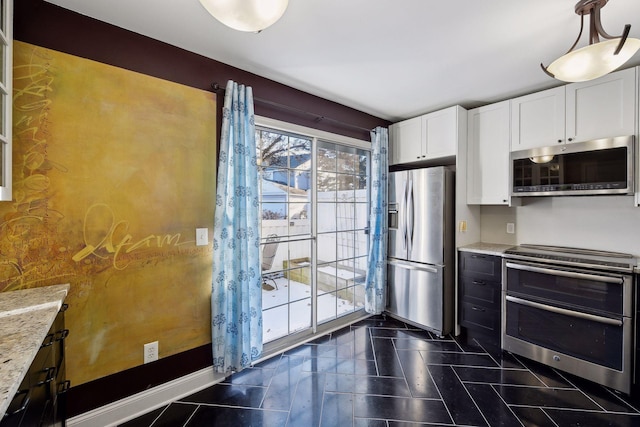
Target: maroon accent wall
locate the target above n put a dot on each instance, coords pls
(43, 24)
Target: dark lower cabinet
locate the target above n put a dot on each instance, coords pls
(480, 290)
(40, 400)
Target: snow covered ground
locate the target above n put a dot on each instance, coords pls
(279, 319)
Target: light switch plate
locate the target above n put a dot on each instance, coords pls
(202, 236)
(511, 228)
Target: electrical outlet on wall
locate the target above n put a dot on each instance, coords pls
(151, 352)
(511, 228)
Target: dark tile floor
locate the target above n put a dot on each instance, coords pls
(380, 372)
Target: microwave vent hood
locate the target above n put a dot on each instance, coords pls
(597, 167)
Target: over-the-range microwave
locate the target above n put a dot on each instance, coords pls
(602, 166)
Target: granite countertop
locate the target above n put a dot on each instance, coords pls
(486, 248)
(25, 319)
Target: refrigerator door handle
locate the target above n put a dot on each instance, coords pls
(403, 209)
(410, 217)
(412, 266)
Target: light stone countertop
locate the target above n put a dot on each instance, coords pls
(486, 248)
(25, 319)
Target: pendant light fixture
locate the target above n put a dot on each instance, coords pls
(246, 15)
(599, 57)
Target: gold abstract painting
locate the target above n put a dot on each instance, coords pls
(113, 172)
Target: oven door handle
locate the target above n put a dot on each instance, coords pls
(570, 274)
(558, 310)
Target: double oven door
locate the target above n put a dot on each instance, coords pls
(575, 319)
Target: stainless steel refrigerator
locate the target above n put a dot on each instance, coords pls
(421, 248)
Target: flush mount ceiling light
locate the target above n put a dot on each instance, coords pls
(246, 15)
(599, 57)
(542, 159)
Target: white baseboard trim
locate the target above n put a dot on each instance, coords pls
(138, 404)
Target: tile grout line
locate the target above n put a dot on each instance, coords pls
(404, 374)
(531, 371)
(270, 381)
(549, 417)
(159, 415)
(191, 416)
(439, 392)
(373, 350)
(605, 388)
(470, 396)
(579, 389)
(506, 404)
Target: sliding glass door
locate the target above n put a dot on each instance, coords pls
(342, 243)
(314, 203)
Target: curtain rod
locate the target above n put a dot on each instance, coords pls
(316, 117)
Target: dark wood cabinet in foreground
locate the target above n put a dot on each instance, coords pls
(40, 399)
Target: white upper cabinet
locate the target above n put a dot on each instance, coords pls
(406, 141)
(6, 94)
(441, 132)
(601, 108)
(428, 137)
(488, 155)
(538, 119)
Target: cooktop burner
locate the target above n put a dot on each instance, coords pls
(573, 256)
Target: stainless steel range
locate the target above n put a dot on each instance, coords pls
(571, 309)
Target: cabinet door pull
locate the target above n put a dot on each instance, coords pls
(23, 406)
(474, 308)
(477, 256)
(51, 375)
(479, 282)
(61, 335)
(48, 340)
(64, 387)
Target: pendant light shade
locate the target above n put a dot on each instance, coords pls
(246, 15)
(599, 57)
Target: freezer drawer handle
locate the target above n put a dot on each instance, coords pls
(564, 311)
(408, 266)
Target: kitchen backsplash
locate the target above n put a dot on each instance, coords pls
(595, 222)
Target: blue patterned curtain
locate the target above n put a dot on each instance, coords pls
(376, 283)
(236, 298)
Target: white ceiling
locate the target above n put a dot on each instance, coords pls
(394, 59)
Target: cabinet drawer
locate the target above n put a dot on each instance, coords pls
(477, 317)
(481, 266)
(480, 291)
